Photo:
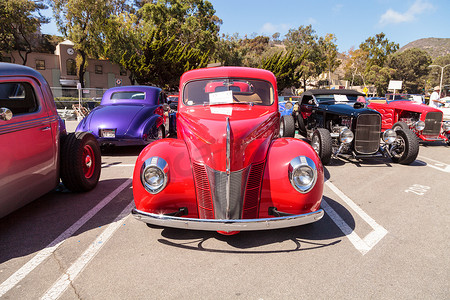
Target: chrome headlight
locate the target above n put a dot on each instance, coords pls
(389, 136)
(346, 136)
(446, 126)
(420, 125)
(288, 105)
(302, 174)
(154, 174)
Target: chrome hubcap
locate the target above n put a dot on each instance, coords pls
(315, 144)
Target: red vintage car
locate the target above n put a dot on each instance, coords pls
(227, 170)
(35, 149)
(402, 111)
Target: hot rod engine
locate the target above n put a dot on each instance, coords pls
(409, 117)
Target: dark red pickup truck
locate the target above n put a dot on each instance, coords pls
(35, 149)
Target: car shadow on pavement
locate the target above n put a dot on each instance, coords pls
(323, 233)
(122, 150)
(38, 224)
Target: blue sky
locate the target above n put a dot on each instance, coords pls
(351, 21)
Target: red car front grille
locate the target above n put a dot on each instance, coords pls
(205, 206)
(253, 191)
(433, 121)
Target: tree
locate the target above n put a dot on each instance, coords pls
(123, 37)
(380, 77)
(21, 23)
(228, 51)
(377, 48)
(163, 61)
(285, 67)
(82, 22)
(355, 66)
(304, 40)
(329, 52)
(253, 50)
(411, 67)
(191, 22)
(130, 33)
(434, 76)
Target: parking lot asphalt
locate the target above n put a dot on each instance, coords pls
(385, 235)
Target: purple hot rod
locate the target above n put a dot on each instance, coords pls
(128, 115)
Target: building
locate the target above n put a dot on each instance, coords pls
(60, 70)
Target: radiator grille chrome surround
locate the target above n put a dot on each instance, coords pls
(433, 122)
(243, 197)
(367, 133)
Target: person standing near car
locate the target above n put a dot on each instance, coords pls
(434, 98)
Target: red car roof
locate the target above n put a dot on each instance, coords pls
(237, 72)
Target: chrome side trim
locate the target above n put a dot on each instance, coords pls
(227, 225)
(228, 170)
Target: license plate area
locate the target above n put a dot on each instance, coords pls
(108, 133)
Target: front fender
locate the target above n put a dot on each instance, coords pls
(180, 189)
(277, 190)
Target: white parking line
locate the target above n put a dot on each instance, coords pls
(26, 269)
(106, 165)
(362, 245)
(75, 269)
(438, 165)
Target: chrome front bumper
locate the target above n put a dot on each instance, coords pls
(227, 225)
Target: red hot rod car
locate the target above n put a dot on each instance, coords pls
(228, 170)
(402, 111)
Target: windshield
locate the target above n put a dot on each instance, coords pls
(227, 91)
(404, 97)
(338, 98)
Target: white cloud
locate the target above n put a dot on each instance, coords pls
(337, 8)
(393, 17)
(311, 21)
(269, 28)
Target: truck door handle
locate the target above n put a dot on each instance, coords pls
(45, 128)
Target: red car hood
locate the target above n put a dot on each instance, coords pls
(406, 105)
(204, 128)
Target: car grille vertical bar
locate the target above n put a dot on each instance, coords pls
(367, 133)
(253, 191)
(202, 187)
(433, 121)
(227, 205)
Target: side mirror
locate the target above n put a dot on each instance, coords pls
(5, 114)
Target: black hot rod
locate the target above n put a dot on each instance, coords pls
(338, 124)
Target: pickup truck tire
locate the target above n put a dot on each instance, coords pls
(80, 164)
(322, 143)
(287, 126)
(407, 147)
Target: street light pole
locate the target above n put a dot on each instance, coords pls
(442, 75)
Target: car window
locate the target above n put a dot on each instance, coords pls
(227, 91)
(19, 97)
(128, 95)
